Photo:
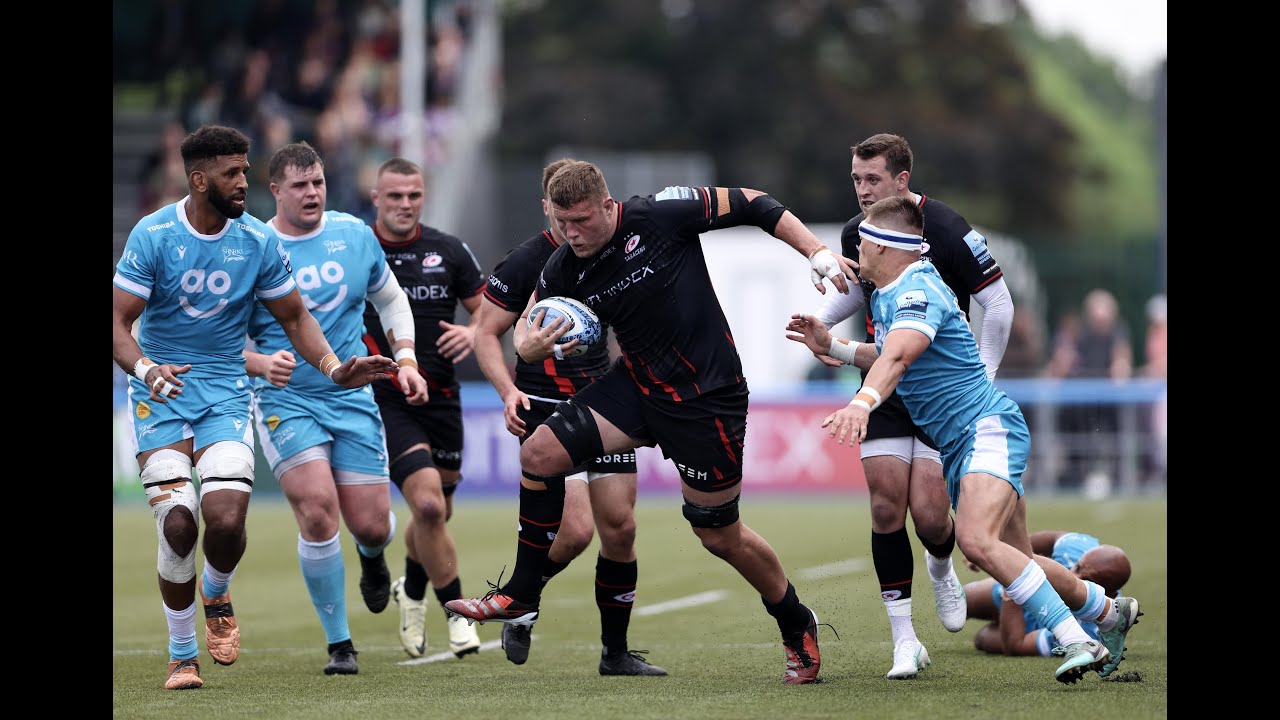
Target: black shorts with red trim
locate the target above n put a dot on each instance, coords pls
(703, 436)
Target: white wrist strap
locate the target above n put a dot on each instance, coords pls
(842, 350)
(556, 350)
(142, 367)
(866, 397)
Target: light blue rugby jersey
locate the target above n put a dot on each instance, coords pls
(336, 266)
(1069, 548)
(946, 388)
(200, 289)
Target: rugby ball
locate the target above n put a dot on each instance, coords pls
(584, 326)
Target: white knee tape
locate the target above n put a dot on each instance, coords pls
(167, 480)
(226, 465)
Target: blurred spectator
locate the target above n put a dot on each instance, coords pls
(1157, 347)
(1155, 457)
(163, 176)
(1100, 349)
(1024, 356)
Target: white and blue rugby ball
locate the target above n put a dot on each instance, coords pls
(584, 325)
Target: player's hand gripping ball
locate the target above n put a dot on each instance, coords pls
(584, 326)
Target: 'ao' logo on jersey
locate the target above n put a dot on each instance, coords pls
(196, 281)
(312, 278)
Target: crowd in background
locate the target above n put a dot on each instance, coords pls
(325, 72)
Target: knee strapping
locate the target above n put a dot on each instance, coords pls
(166, 478)
(717, 516)
(226, 465)
(575, 427)
(410, 463)
(554, 483)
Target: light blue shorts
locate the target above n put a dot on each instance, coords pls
(209, 409)
(290, 422)
(996, 444)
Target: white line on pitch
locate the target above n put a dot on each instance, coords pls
(844, 567)
(681, 603)
(450, 656)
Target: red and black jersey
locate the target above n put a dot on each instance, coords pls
(650, 282)
(509, 287)
(957, 250)
(437, 271)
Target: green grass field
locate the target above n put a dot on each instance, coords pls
(725, 658)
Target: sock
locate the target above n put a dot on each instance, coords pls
(550, 569)
(214, 581)
(325, 576)
(895, 565)
(540, 514)
(939, 567)
(373, 552)
(792, 616)
(615, 596)
(452, 591)
(1095, 604)
(900, 620)
(182, 632)
(939, 556)
(415, 579)
(341, 643)
(1032, 591)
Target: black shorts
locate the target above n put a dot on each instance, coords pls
(537, 414)
(703, 436)
(891, 420)
(438, 424)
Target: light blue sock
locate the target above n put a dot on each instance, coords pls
(214, 581)
(375, 552)
(325, 575)
(1033, 592)
(1093, 604)
(182, 632)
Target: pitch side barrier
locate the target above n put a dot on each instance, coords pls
(1093, 436)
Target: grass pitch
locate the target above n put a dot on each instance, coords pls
(724, 656)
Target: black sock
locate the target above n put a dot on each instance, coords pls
(540, 514)
(792, 616)
(415, 579)
(615, 596)
(895, 566)
(943, 550)
(339, 644)
(452, 591)
(551, 569)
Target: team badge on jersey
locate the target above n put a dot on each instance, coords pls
(431, 261)
(912, 303)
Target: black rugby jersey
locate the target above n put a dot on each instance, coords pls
(650, 282)
(512, 283)
(957, 250)
(437, 271)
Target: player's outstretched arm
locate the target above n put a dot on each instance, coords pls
(308, 339)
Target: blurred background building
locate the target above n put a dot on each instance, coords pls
(1050, 148)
